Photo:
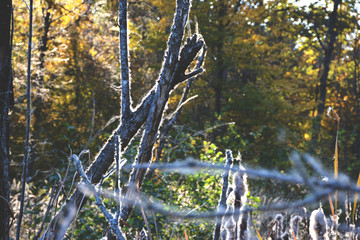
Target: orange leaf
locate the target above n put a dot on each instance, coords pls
(332, 207)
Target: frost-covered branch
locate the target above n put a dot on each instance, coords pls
(192, 167)
(184, 99)
(171, 69)
(110, 218)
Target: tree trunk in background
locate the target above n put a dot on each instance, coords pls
(329, 47)
(38, 103)
(221, 67)
(355, 86)
(6, 100)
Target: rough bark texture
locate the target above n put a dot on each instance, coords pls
(124, 59)
(329, 48)
(172, 73)
(165, 130)
(150, 110)
(5, 104)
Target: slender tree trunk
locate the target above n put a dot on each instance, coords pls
(221, 68)
(357, 105)
(218, 88)
(6, 96)
(38, 103)
(329, 48)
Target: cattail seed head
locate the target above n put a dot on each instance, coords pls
(279, 225)
(225, 222)
(285, 236)
(294, 224)
(230, 229)
(240, 186)
(243, 225)
(318, 228)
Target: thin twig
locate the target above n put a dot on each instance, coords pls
(145, 219)
(113, 119)
(323, 189)
(92, 121)
(28, 122)
(49, 206)
(155, 224)
(192, 210)
(117, 178)
(27, 6)
(62, 181)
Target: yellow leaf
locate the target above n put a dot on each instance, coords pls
(93, 52)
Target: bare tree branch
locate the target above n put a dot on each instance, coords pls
(170, 76)
(175, 115)
(327, 188)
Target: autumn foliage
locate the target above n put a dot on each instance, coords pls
(259, 94)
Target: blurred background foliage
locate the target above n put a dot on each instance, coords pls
(259, 96)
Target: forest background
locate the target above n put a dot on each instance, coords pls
(272, 67)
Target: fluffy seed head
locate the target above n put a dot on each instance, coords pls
(318, 229)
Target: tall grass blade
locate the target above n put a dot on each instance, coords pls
(186, 236)
(257, 232)
(332, 207)
(355, 200)
(336, 117)
(332, 114)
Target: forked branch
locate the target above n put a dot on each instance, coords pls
(172, 73)
(150, 110)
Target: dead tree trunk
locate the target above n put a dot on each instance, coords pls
(6, 96)
(150, 111)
